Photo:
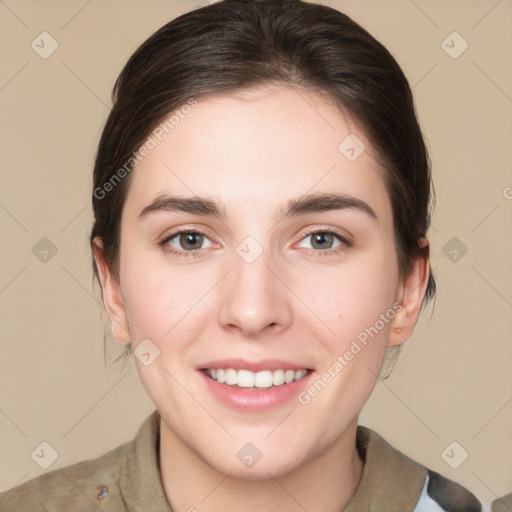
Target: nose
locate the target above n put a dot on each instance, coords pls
(255, 299)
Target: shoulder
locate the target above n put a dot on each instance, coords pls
(395, 478)
(503, 504)
(125, 478)
(449, 495)
(76, 487)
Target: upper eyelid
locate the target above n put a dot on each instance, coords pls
(344, 239)
(172, 233)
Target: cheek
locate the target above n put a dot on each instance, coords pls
(357, 304)
(163, 300)
(352, 297)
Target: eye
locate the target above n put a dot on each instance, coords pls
(184, 243)
(326, 241)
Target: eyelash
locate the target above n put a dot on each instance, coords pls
(345, 243)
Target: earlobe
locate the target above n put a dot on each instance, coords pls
(112, 298)
(411, 296)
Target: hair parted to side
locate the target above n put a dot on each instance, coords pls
(234, 44)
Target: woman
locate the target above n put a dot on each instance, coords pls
(261, 200)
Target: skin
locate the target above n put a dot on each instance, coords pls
(253, 151)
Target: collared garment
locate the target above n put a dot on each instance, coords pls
(128, 479)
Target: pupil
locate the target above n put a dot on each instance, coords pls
(321, 238)
(191, 239)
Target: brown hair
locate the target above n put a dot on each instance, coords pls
(235, 44)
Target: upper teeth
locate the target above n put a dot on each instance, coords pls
(248, 379)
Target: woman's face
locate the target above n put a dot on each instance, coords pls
(253, 291)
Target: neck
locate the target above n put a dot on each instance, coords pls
(325, 483)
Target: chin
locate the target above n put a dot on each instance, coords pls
(260, 471)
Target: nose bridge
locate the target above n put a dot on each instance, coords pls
(252, 297)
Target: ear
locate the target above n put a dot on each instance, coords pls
(411, 292)
(112, 298)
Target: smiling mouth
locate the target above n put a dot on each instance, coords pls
(245, 379)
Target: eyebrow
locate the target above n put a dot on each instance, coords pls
(312, 203)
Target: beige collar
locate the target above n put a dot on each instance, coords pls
(390, 482)
(140, 480)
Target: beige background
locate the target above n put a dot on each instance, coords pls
(453, 381)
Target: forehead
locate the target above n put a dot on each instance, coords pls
(256, 146)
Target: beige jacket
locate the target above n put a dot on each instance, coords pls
(128, 479)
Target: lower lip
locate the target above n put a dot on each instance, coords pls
(255, 400)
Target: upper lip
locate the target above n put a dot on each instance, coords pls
(253, 366)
